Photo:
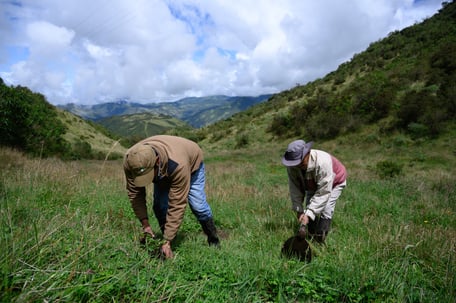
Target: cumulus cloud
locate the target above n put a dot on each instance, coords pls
(48, 40)
(90, 51)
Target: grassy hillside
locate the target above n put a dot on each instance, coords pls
(404, 83)
(393, 237)
(139, 126)
(31, 124)
(89, 140)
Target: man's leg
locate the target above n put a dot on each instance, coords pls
(200, 207)
(160, 204)
(324, 223)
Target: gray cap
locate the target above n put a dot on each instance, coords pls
(296, 151)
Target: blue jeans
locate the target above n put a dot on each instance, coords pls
(196, 198)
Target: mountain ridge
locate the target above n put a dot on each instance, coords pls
(195, 111)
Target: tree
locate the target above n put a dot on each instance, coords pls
(28, 122)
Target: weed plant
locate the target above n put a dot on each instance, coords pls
(69, 234)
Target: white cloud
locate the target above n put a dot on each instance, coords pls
(92, 51)
(97, 52)
(46, 39)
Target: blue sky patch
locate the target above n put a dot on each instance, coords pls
(14, 54)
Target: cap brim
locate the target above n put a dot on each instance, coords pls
(143, 180)
(291, 162)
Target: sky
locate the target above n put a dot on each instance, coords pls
(96, 51)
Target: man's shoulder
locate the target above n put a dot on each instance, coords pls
(317, 157)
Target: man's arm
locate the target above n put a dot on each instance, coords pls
(296, 188)
(178, 196)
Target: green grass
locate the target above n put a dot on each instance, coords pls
(69, 235)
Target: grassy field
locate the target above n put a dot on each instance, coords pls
(69, 235)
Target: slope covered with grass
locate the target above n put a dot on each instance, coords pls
(393, 235)
(89, 140)
(404, 83)
(136, 127)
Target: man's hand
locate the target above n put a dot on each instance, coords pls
(303, 219)
(148, 231)
(166, 250)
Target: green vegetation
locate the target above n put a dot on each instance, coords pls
(405, 82)
(136, 127)
(90, 140)
(29, 123)
(393, 237)
(69, 234)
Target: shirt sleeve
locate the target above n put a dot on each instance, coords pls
(296, 187)
(137, 196)
(178, 195)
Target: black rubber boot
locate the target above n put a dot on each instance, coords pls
(322, 230)
(211, 232)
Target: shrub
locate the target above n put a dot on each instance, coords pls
(388, 169)
(30, 123)
(417, 130)
(280, 125)
(242, 140)
(81, 150)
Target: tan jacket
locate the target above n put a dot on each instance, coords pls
(178, 159)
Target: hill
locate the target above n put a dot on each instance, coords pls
(404, 83)
(139, 126)
(89, 140)
(196, 111)
(30, 124)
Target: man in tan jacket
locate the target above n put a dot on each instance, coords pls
(175, 166)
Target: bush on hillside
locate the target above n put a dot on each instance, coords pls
(417, 130)
(388, 169)
(373, 97)
(81, 150)
(28, 122)
(435, 104)
(408, 78)
(242, 140)
(280, 125)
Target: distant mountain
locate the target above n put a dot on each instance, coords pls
(196, 111)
